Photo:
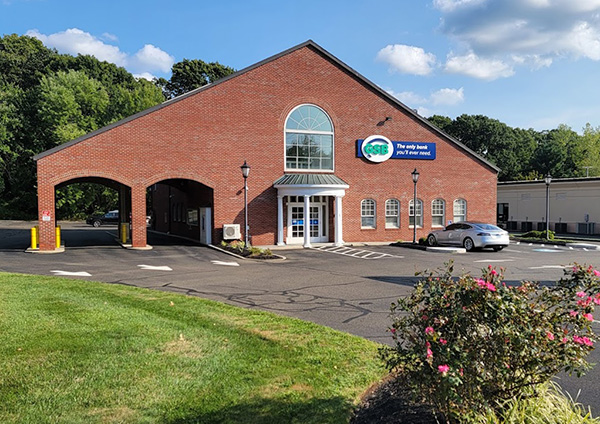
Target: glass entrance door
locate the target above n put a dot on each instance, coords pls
(317, 220)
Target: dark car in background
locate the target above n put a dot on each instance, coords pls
(110, 217)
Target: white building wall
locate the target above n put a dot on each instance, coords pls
(571, 201)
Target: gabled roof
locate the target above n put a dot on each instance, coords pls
(310, 44)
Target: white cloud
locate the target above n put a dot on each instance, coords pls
(542, 29)
(451, 5)
(75, 41)
(420, 104)
(152, 58)
(407, 59)
(408, 97)
(144, 75)
(477, 67)
(110, 37)
(448, 97)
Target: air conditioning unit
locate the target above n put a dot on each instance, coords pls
(231, 232)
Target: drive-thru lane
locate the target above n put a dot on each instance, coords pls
(343, 291)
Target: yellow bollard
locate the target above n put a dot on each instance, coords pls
(57, 236)
(124, 232)
(34, 238)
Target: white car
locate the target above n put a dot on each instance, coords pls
(470, 235)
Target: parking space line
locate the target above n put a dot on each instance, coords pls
(357, 253)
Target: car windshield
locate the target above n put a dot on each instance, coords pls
(488, 227)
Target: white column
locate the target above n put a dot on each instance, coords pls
(280, 221)
(306, 221)
(339, 241)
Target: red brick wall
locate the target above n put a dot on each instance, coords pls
(207, 136)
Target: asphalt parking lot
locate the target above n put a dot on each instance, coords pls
(349, 289)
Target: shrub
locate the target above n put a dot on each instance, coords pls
(539, 234)
(468, 344)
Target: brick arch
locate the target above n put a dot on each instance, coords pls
(173, 175)
(74, 175)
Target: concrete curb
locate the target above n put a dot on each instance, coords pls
(446, 249)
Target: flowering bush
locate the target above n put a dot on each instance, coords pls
(465, 344)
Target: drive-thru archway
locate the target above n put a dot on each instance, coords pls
(182, 207)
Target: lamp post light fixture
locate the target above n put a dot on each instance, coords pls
(547, 180)
(245, 172)
(415, 178)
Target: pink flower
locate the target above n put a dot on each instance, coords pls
(494, 272)
(580, 294)
(573, 313)
(597, 299)
(429, 330)
(443, 341)
(443, 369)
(393, 330)
(461, 372)
(564, 340)
(589, 317)
(597, 273)
(481, 283)
(550, 335)
(587, 341)
(491, 287)
(429, 353)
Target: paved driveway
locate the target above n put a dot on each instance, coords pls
(348, 289)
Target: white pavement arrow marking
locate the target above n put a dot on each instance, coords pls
(73, 274)
(225, 263)
(548, 266)
(495, 260)
(155, 268)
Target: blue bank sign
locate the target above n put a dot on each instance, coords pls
(378, 148)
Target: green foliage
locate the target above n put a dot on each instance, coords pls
(539, 234)
(552, 406)
(469, 344)
(47, 99)
(191, 74)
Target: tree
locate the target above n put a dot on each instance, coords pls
(189, 74)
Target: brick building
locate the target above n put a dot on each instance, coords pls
(318, 136)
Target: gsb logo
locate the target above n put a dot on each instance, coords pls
(377, 148)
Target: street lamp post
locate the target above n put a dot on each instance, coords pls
(415, 178)
(245, 172)
(548, 180)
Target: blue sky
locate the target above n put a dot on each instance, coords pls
(528, 63)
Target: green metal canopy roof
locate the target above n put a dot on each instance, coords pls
(309, 179)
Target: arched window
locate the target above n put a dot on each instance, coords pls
(438, 212)
(415, 213)
(367, 213)
(392, 213)
(460, 210)
(308, 139)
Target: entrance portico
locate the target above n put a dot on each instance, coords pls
(308, 210)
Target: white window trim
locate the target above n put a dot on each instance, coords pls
(453, 211)
(363, 227)
(332, 133)
(443, 215)
(420, 221)
(396, 216)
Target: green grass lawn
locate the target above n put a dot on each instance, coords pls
(83, 352)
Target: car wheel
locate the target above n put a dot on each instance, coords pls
(468, 244)
(431, 241)
(96, 223)
(498, 248)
